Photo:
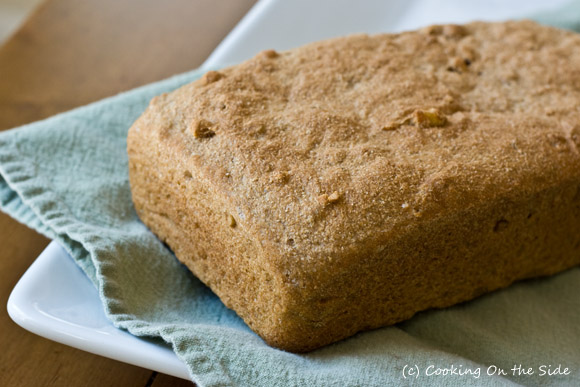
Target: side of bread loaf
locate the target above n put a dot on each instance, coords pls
(350, 183)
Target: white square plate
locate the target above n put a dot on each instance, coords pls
(54, 298)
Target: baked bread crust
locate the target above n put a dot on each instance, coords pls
(350, 183)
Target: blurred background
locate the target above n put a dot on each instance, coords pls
(12, 13)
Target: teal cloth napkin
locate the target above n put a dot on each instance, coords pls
(66, 177)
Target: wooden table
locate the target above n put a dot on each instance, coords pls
(69, 53)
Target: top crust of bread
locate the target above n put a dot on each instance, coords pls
(342, 117)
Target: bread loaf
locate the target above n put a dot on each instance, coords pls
(351, 183)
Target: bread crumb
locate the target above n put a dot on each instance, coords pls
(231, 221)
(334, 197)
(322, 199)
(271, 54)
(279, 177)
(433, 30)
(212, 76)
(326, 199)
(458, 63)
(429, 118)
(500, 225)
(201, 129)
(392, 126)
(454, 31)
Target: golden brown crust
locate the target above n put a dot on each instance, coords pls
(328, 189)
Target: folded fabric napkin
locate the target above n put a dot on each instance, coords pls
(67, 178)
